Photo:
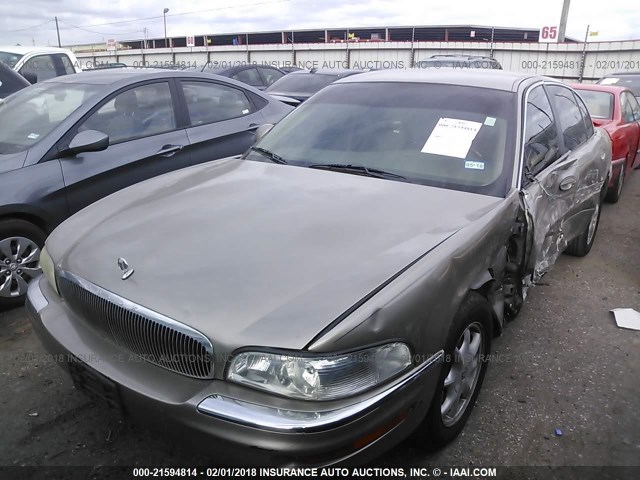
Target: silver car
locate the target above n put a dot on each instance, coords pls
(338, 287)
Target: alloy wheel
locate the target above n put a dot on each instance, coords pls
(593, 223)
(19, 263)
(462, 379)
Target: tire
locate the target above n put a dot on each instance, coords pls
(20, 245)
(613, 195)
(581, 245)
(475, 317)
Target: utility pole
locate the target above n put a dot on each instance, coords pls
(164, 14)
(58, 31)
(563, 20)
(584, 55)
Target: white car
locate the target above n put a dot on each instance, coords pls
(37, 64)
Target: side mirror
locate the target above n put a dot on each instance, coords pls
(88, 141)
(262, 130)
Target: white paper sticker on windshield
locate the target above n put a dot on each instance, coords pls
(451, 137)
(33, 136)
(609, 81)
(474, 165)
(490, 121)
(244, 112)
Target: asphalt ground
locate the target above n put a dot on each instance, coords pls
(562, 364)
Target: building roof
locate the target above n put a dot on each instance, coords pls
(23, 50)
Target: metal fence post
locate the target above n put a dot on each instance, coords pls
(584, 55)
(412, 61)
(491, 51)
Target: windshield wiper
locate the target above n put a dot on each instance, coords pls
(357, 169)
(270, 155)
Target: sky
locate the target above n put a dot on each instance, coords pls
(95, 21)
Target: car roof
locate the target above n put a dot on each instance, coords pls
(327, 71)
(23, 50)
(108, 76)
(599, 88)
(495, 79)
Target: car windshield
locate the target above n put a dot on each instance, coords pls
(304, 83)
(632, 82)
(29, 115)
(599, 104)
(10, 59)
(454, 137)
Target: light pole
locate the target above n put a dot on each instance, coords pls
(164, 15)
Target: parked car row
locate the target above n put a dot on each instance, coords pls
(307, 301)
(617, 111)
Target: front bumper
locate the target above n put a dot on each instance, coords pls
(236, 424)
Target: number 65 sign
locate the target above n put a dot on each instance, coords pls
(548, 34)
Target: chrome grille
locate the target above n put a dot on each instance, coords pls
(145, 333)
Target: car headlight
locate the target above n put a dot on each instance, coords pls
(46, 264)
(320, 377)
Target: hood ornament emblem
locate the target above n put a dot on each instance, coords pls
(124, 266)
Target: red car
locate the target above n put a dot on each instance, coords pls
(617, 111)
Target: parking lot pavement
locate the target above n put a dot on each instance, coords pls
(562, 364)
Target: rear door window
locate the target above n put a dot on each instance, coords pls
(541, 143)
(627, 106)
(250, 76)
(572, 124)
(270, 75)
(586, 117)
(209, 102)
(64, 64)
(635, 107)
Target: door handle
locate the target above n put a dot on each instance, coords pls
(170, 150)
(567, 183)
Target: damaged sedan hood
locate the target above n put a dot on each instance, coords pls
(258, 253)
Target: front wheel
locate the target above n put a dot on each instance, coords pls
(20, 245)
(465, 365)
